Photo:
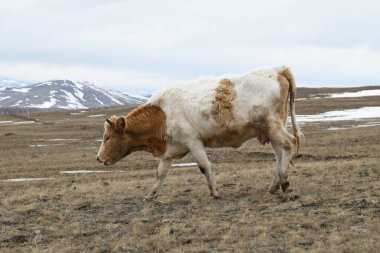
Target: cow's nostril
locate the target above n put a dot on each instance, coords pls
(98, 159)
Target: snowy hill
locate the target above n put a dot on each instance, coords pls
(65, 94)
(8, 83)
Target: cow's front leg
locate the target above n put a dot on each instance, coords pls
(199, 153)
(162, 172)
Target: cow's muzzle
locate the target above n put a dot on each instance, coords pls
(99, 160)
(105, 162)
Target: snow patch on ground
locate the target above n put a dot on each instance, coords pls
(24, 122)
(369, 124)
(26, 179)
(184, 165)
(8, 123)
(63, 139)
(96, 115)
(88, 171)
(77, 113)
(352, 114)
(45, 145)
(362, 93)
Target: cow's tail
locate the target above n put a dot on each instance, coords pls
(285, 71)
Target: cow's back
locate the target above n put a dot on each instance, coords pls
(209, 107)
(187, 106)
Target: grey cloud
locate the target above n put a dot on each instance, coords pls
(185, 39)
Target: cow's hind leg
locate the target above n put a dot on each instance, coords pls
(162, 172)
(276, 179)
(199, 153)
(282, 143)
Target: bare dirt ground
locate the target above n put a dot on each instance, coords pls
(332, 204)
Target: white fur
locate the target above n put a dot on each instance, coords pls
(188, 105)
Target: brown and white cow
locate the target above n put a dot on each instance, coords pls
(210, 112)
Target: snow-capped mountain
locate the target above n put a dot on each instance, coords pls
(65, 94)
(8, 83)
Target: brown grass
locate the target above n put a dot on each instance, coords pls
(332, 205)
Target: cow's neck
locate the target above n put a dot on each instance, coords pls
(152, 145)
(147, 125)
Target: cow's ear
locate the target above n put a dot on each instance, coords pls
(120, 123)
(111, 123)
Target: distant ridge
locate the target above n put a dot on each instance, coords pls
(9, 83)
(64, 94)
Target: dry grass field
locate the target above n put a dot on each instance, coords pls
(332, 204)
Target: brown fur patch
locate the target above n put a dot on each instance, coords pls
(147, 127)
(282, 107)
(222, 109)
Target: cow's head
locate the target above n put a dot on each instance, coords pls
(144, 128)
(116, 143)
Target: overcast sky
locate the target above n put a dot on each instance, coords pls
(149, 44)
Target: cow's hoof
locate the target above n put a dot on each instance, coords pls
(214, 195)
(285, 186)
(274, 188)
(149, 197)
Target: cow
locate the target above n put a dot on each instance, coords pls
(210, 112)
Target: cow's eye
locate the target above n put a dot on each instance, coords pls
(107, 138)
